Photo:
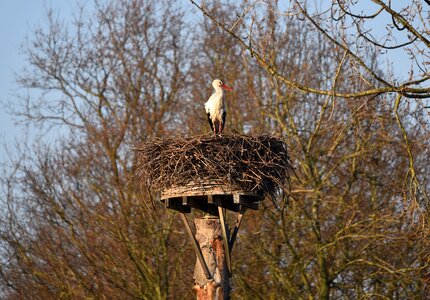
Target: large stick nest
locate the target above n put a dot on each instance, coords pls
(253, 163)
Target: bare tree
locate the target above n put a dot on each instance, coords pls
(112, 80)
(352, 156)
(73, 226)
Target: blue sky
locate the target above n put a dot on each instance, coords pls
(18, 18)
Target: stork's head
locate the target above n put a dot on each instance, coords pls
(219, 84)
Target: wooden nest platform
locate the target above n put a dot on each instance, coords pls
(203, 172)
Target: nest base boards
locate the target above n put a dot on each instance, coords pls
(208, 197)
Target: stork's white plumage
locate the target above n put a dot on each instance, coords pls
(215, 107)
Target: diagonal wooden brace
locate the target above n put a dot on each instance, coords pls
(236, 227)
(225, 238)
(196, 247)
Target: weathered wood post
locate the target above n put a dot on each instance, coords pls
(209, 238)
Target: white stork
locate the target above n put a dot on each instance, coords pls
(215, 107)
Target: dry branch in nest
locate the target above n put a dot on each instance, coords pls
(254, 163)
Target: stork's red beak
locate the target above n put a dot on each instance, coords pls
(226, 88)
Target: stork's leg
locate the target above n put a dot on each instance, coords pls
(222, 123)
(216, 127)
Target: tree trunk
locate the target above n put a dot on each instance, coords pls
(209, 237)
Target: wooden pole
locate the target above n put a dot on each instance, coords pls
(196, 247)
(209, 238)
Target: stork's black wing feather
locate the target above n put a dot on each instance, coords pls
(210, 121)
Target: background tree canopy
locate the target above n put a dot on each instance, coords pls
(355, 224)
